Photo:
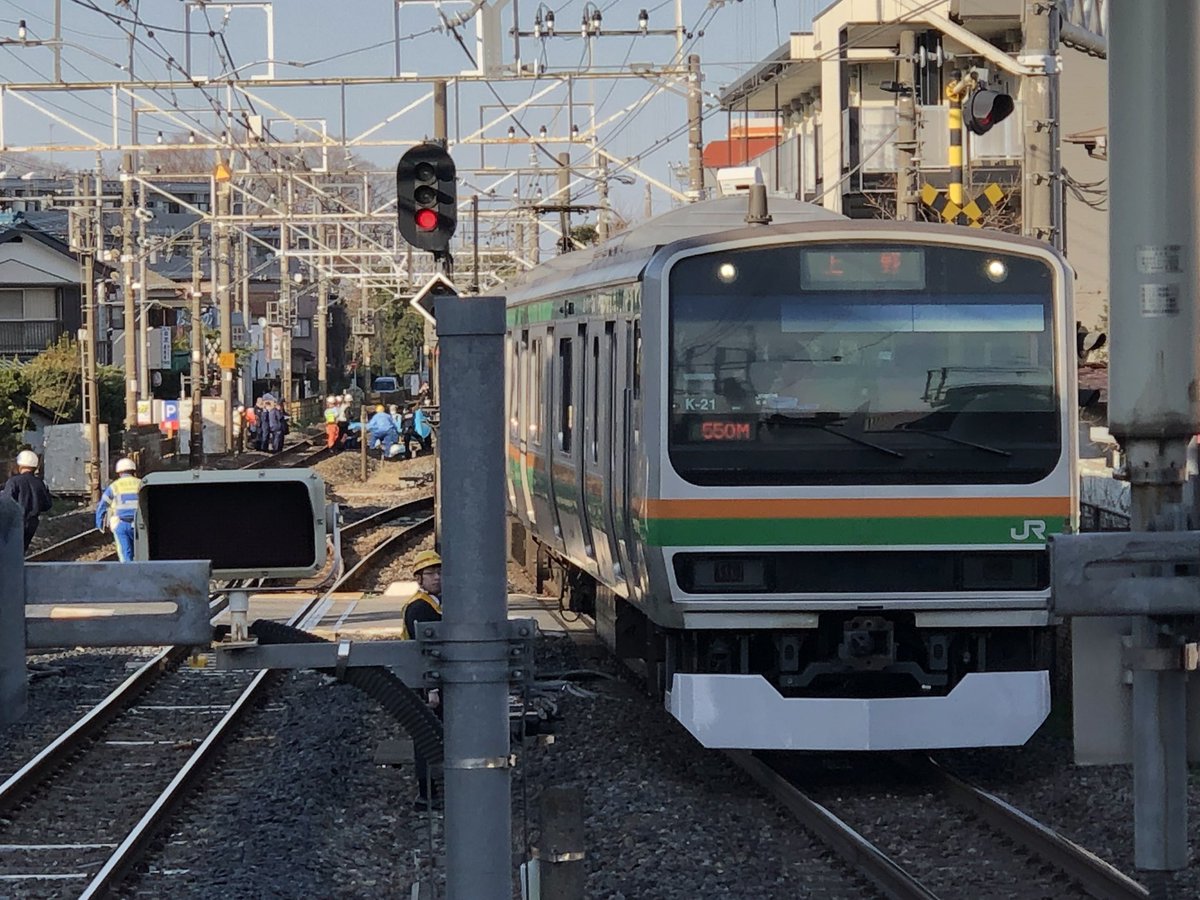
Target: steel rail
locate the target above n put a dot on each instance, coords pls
(65, 549)
(268, 461)
(35, 772)
(144, 832)
(1097, 877)
(408, 508)
(889, 877)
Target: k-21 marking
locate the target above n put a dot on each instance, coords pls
(1033, 528)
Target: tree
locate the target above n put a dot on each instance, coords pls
(401, 335)
(14, 406)
(52, 380)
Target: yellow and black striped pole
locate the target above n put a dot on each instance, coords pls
(954, 118)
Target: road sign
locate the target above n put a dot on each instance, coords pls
(437, 286)
(227, 360)
(170, 415)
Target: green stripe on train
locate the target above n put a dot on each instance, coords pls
(837, 532)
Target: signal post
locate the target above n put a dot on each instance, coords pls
(474, 661)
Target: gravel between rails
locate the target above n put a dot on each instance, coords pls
(1091, 805)
(63, 686)
(949, 851)
(297, 808)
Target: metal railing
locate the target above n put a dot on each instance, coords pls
(28, 337)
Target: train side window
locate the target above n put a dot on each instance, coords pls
(514, 389)
(537, 399)
(566, 409)
(637, 360)
(595, 424)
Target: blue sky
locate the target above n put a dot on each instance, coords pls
(337, 38)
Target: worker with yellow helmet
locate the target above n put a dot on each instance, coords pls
(425, 606)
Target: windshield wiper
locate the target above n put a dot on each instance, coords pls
(821, 426)
(945, 437)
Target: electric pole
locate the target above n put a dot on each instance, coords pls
(127, 297)
(90, 243)
(564, 198)
(695, 131)
(907, 180)
(285, 299)
(224, 291)
(196, 444)
(1040, 178)
(323, 323)
(143, 327)
(603, 212)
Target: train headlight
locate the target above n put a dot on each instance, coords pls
(727, 272)
(996, 270)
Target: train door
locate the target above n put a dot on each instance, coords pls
(607, 387)
(512, 385)
(596, 481)
(622, 452)
(541, 398)
(524, 410)
(571, 376)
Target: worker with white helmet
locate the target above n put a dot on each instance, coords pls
(118, 507)
(29, 491)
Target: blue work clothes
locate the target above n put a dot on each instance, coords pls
(382, 430)
(32, 496)
(117, 510)
(421, 426)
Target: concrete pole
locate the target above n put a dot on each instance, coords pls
(907, 181)
(323, 328)
(1154, 60)
(1039, 180)
(130, 311)
(695, 108)
(564, 198)
(247, 372)
(602, 190)
(196, 445)
(474, 629)
(439, 112)
(14, 683)
(224, 291)
(285, 298)
(143, 307)
(648, 205)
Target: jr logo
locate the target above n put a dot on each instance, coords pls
(1033, 528)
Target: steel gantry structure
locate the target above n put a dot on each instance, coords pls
(258, 136)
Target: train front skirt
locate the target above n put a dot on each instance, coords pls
(991, 709)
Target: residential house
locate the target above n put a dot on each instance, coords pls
(40, 293)
(833, 91)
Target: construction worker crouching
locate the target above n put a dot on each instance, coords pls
(425, 606)
(118, 507)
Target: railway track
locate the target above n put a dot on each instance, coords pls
(1046, 861)
(79, 815)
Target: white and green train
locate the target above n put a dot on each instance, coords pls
(805, 471)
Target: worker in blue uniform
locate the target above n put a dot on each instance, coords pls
(425, 606)
(382, 429)
(118, 507)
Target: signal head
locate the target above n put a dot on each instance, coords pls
(985, 108)
(427, 197)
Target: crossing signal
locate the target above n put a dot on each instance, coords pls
(983, 108)
(427, 197)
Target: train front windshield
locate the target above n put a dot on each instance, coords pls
(862, 363)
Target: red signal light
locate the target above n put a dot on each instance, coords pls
(426, 219)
